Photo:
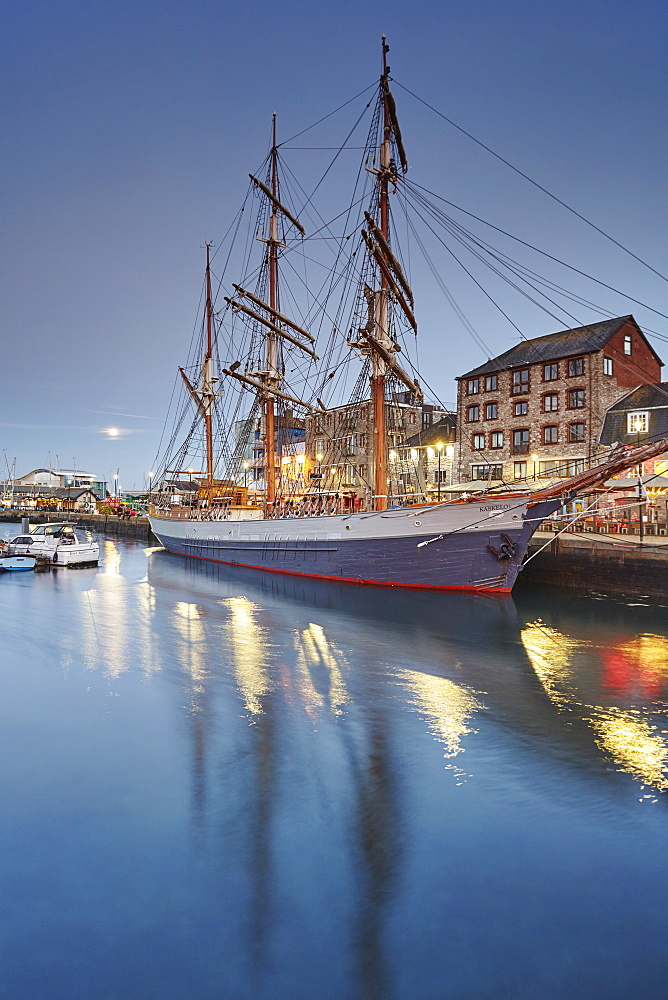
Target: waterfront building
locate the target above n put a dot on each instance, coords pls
(537, 410)
(339, 445)
(63, 479)
(424, 465)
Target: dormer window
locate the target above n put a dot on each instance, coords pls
(637, 423)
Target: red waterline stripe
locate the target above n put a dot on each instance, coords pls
(504, 591)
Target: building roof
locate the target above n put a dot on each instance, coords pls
(441, 431)
(60, 472)
(653, 398)
(552, 347)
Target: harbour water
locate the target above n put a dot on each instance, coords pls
(218, 784)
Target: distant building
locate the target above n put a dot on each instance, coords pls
(425, 462)
(537, 409)
(64, 478)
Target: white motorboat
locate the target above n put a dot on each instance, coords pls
(58, 543)
(16, 564)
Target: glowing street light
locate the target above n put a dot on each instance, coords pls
(439, 448)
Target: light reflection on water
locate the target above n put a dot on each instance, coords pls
(253, 786)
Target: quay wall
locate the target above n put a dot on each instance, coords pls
(586, 563)
(105, 524)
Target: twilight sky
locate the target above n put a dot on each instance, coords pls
(129, 128)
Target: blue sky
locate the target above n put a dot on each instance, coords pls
(129, 129)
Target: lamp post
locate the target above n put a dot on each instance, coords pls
(439, 449)
(534, 459)
(638, 426)
(319, 458)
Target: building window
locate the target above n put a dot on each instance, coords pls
(491, 383)
(575, 466)
(576, 366)
(627, 344)
(491, 411)
(426, 419)
(550, 434)
(637, 423)
(497, 439)
(607, 366)
(479, 442)
(486, 471)
(576, 399)
(550, 402)
(473, 386)
(551, 372)
(549, 469)
(473, 414)
(576, 432)
(521, 409)
(520, 381)
(520, 470)
(521, 441)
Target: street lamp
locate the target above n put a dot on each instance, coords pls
(534, 458)
(638, 427)
(439, 448)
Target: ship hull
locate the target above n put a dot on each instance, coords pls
(474, 546)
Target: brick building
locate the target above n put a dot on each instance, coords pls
(339, 443)
(537, 410)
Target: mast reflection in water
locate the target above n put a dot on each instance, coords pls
(218, 783)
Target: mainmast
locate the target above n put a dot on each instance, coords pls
(207, 374)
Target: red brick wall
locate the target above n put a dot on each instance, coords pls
(640, 367)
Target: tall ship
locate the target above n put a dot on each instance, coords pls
(267, 361)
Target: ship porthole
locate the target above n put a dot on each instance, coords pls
(418, 523)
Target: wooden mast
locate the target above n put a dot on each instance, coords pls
(272, 372)
(379, 367)
(207, 379)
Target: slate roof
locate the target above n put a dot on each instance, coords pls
(552, 347)
(653, 398)
(442, 431)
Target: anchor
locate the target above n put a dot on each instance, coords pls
(507, 549)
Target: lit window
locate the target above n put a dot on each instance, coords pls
(486, 471)
(497, 439)
(478, 442)
(627, 344)
(576, 399)
(576, 366)
(549, 469)
(637, 423)
(550, 434)
(491, 383)
(473, 413)
(521, 409)
(491, 411)
(473, 386)
(550, 402)
(550, 372)
(575, 466)
(607, 366)
(520, 470)
(576, 432)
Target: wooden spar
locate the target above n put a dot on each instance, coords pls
(277, 315)
(207, 385)
(392, 112)
(389, 360)
(273, 376)
(191, 389)
(390, 258)
(276, 203)
(378, 365)
(271, 326)
(257, 383)
(394, 288)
